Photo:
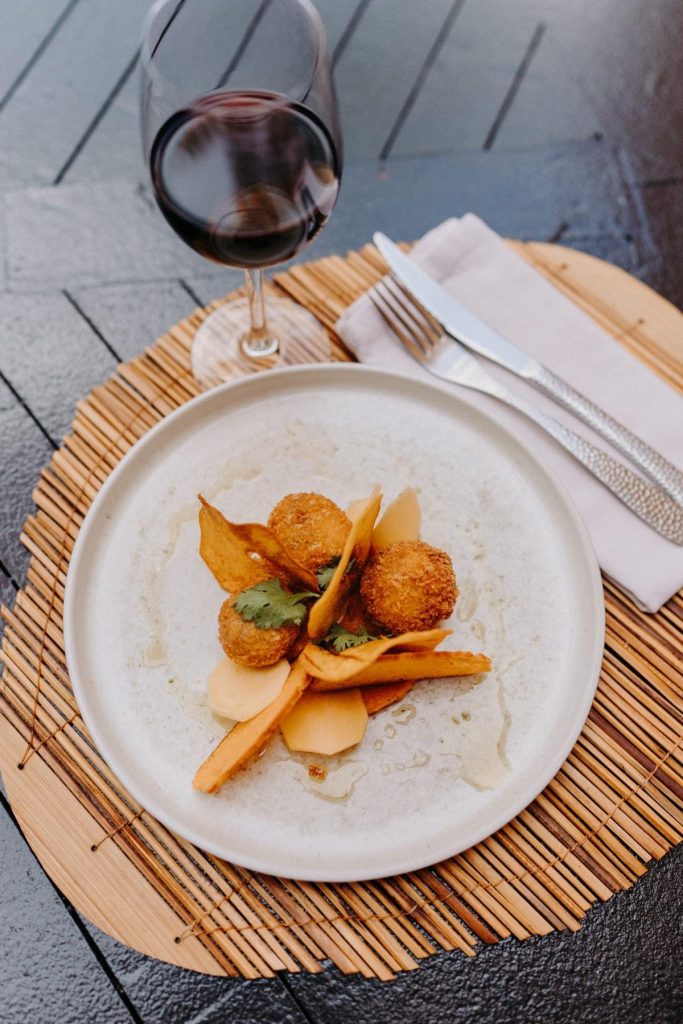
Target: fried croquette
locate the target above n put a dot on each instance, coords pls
(409, 585)
(311, 527)
(248, 645)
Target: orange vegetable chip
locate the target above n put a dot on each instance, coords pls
(225, 553)
(264, 542)
(246, 739)
(404, 666)
(327, 608)
(339, 667)
(227, 549)
(376, 698)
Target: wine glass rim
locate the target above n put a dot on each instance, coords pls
(307, 6)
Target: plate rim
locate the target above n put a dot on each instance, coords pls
(533, 788)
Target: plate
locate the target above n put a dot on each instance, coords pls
(436, 773)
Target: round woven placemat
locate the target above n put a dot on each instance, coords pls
(614, 806)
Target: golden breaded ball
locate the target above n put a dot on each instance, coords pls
(409, 585)
(248, 645)
(311, 527)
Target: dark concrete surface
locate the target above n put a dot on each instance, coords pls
(553, 120)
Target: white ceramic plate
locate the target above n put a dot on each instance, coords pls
(438, 772)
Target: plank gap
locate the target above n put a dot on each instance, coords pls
(80, 145)
(517, 80)
(80, 925)
(37, 53)
(27, 408)
(349, 30)
(243, 43)
(441, 37)
(92, 325)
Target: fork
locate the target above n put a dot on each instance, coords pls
(447, 359)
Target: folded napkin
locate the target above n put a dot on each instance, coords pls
(481, 270)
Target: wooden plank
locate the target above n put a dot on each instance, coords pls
(66, 359)
(42, 948)
(7, 589)
(663, 205)
(465, 87)
(336, 16)
(114, 147)
(22, 36)
(78, 828)
(109, 231)
(162, 994)
(25, 449)
(381, 62)
(61, 95)
(551, 104)
(129, 315)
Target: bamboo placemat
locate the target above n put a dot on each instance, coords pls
(614, 806)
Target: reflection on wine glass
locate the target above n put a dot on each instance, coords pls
(240, 129)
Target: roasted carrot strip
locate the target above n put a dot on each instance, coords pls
(324, 665)
(327, 608)
(391, 668)
(246, 739)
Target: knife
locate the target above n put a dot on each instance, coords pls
(463, 325)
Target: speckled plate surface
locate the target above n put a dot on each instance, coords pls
(438, 772)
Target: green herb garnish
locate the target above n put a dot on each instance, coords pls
(341, 639)
(325, 574)
(268, 606)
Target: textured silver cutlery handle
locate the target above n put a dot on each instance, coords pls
(648, 501)
(641, 454)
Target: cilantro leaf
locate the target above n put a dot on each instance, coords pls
(326, 572)
(341, 639)
(268, 606)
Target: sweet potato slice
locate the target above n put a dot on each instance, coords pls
(400, 521)
(408, 665)
(338, 667)
(247, 738)
(226, 555)
(326, 723)
(326, 609)
(239, 692)
(376, 698)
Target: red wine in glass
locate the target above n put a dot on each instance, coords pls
(245, 178)
(241, 135)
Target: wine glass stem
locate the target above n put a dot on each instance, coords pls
(259, 342)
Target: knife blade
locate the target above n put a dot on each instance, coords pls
(466, 327)
(456, 318)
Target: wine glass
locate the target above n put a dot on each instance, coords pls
(241, 134)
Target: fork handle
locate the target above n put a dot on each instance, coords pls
(641, 454)
(648, 501)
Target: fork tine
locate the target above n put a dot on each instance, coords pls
(402, 315)
(418, 315)
(395, 324)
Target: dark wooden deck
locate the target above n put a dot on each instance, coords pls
(555, 121)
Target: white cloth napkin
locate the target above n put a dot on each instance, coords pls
(481, 270)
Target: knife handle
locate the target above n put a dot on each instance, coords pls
(647, 500)
(641, 454)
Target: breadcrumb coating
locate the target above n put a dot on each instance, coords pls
(409, 585)
(248, 645)
(311, 527)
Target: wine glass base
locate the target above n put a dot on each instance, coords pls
(218, 355)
